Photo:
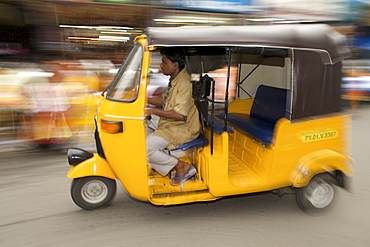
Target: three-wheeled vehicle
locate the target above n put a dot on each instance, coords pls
(280, 130)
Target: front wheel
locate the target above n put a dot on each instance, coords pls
(318, 196)
(93, 192)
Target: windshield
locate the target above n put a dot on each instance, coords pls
(126, 84)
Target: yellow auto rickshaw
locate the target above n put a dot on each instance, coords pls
(277, 126)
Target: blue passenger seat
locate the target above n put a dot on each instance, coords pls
(268, 107)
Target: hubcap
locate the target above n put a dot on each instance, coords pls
(322, 195)
(94, 191)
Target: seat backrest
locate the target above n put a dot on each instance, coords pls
(269, 104)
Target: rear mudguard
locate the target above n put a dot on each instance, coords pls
(95, 166)
(320, 161)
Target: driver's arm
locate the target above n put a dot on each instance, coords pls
(170, 114)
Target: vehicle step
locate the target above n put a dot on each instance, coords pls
(179, 193)
(182, 197)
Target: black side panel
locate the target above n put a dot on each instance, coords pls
(99, 147)
(316, 87)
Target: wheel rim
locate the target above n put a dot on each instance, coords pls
(322, 195)
(94, 191)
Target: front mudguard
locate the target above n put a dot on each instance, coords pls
(321, 161)
(94, 166)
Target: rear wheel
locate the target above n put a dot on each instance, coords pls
(93, 192)
(319, 195)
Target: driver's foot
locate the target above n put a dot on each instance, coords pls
(184, 171)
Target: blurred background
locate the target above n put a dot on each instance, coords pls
(57, 56)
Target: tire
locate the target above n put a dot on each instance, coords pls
(93, 192)
(319, 195)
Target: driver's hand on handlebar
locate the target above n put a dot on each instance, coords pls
(149, 111)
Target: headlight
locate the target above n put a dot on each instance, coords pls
(76, 156)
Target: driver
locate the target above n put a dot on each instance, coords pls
(178, 120)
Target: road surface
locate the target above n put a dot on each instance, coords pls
(36, 210)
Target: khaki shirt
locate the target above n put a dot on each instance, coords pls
(180, 100)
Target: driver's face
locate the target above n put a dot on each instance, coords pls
(168, 67)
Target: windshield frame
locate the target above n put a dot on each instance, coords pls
(117, 80)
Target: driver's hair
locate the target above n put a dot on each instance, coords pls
(175, 54)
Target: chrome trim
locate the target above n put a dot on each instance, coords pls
(121, 117)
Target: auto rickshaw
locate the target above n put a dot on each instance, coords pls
(282, 131)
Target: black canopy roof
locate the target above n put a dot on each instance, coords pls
(320, 37)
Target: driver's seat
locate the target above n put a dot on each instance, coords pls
(188, 147)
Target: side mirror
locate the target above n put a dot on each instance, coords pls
(103, 93)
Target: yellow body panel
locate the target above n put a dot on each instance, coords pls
(126, 151)
(292, 147)
(240, 164)
(241, 106)
(320, 161)
(95, 166)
